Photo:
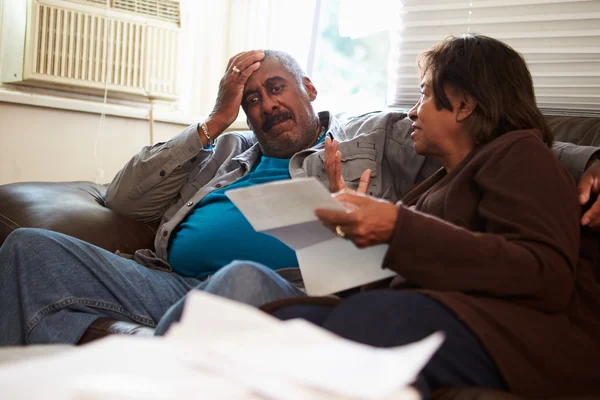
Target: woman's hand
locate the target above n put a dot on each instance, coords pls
(333, 167)
(368, 221)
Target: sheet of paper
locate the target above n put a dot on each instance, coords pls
(282, 203)
(209, 358)
(336, 265)
(207, 318)
(116, 368)
(266, 353)
(286, 211)
(300, 236)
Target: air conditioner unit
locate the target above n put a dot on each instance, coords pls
(128, 46)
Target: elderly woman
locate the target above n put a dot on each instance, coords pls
(488, 246)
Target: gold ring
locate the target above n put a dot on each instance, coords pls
(236, 69)
(339, 231)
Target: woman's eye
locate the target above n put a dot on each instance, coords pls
(277, 89)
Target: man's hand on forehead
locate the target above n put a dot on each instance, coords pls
(231, 88)
(244, 64)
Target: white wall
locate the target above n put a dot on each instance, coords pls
(52, 144)
(45, 144)
(48, 144)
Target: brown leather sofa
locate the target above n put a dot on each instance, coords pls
(78, 209)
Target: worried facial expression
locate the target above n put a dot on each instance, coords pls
(279, 110)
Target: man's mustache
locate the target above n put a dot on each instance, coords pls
(275, 119)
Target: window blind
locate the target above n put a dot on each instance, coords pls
(560, 40)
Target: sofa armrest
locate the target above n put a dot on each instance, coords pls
(73, 208)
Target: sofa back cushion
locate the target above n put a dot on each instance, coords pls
(73, 208)
(584, 131)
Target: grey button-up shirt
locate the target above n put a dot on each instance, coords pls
(164, 182)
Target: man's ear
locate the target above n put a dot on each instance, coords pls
(310, 88)
(465, 107)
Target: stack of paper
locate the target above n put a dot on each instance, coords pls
(222, 350)
(278, 359)
(286, 211)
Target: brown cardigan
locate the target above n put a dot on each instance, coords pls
(497, 241)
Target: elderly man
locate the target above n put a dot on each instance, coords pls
(52, 286)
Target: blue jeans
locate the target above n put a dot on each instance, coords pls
(53, 286)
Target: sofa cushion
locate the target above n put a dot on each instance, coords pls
(584, 131)
(73, 208)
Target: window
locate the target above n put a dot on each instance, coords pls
(349, 68)
(559, 40)
(361, 54)
(350, 73)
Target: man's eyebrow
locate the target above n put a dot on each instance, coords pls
(273, 80)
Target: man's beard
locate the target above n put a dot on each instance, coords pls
(288, 146)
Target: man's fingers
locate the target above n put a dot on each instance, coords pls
(232, 59)
(328, 164)
(584, 188)
(243, 60)
(337, 170)
(246, 73)
(593, 214)
(333, 165)
(247, 60)
(365, 179)
(596, 185)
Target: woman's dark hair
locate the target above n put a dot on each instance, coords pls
(494, 75)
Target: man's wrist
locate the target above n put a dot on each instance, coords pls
(209, 130)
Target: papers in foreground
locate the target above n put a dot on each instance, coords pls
(286, 211)
(223, 350)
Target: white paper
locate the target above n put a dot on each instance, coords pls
(286, 211)
(207, 357)
(116, 368)
(282, 203)
(272, 356)
(208, 318)
(336, 265)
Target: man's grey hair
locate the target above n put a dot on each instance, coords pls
(288, 62)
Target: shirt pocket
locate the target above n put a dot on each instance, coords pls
(153, 180)
(357, 156)
(152, 166)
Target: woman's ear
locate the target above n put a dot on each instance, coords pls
(465, 107)
(310, 88)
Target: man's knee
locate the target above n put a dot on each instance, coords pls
(248, 283)
(27, 250)
(25, 237)
(245, 272)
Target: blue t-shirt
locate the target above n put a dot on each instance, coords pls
(217, 233)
